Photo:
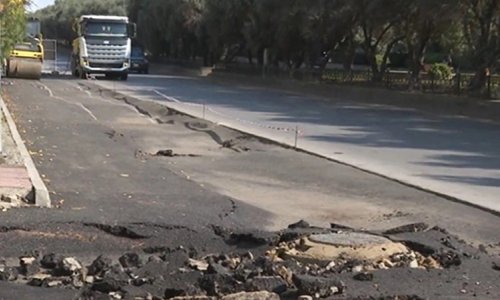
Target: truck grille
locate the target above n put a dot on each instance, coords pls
(105, 65)
(99, 53)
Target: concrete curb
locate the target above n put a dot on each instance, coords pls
(41, 193)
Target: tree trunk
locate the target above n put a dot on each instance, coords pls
(250, 57)
(478, 82)
(414, 83)
(417, 64)
(349, 57)
(372, 59)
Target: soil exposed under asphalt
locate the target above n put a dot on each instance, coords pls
(15, 186)
(152, 204)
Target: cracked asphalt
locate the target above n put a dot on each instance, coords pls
(112, 194)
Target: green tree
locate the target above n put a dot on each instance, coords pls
(13, 24)
(425, 20)
(379, 33)
(57, 20)
(482, 33)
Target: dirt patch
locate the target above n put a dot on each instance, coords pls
(10, 155)
(15, 185)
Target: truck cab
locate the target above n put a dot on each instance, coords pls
(103, 46)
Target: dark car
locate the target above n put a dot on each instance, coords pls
(138, 60)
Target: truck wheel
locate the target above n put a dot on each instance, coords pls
(124, 77)
(82, 74)
(74, 68)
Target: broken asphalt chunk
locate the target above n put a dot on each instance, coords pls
(363, 276)
(68, 266)
(273, 284)
(8, 273)
(52, 260)
(100, 265)
(320, 287)
(415, 227)
(299, 224)
(111, 282)
(448, 259)
(199, 265)
(166, 153)
(130, 260)
(29, 265)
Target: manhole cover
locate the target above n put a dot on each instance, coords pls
(349, 239)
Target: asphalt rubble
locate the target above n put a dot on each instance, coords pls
(278, 265)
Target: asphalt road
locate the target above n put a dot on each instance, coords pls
(452, 156)
(89, 148)
(112, 195)
(85, 150)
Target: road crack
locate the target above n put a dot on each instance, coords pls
(116, 230)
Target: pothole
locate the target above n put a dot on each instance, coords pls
(353, 252)
(162, 153)
(171, 153)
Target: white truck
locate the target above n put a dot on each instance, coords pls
(103, 46)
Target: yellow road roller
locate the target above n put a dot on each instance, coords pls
(26, 59)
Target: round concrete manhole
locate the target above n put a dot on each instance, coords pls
(349, 239)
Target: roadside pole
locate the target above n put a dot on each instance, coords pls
(296, 136)
(265, 61)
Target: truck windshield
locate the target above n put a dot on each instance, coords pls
(103, 28)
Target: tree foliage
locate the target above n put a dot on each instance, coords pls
(482, 32)
(57, 20)
(12, 23)
(305, 33)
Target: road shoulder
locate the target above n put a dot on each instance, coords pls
(40, 191)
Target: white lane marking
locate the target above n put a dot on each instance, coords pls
(46, 88)
(87, 110)
(51, 94)
(87, 92)
(79, 88)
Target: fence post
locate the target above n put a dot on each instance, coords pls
(265, 61)
(296, 136)
(387, 79)
(489, 87)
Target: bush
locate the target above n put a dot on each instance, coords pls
(441, 71)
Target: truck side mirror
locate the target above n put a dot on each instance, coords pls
(132, 30)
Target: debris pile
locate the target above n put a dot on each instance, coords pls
(299, 262)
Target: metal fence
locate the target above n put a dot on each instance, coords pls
(395, 80)
(50, 56)
(400, 80)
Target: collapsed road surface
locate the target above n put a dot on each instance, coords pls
(450, 155)
(151, 204)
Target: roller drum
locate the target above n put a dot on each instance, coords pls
(24, 68)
